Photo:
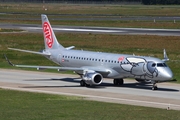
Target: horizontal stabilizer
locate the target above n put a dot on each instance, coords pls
(28, 51)
(71, 47)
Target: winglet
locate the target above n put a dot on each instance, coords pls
(165, 56)
(10, 63)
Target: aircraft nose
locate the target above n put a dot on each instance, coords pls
(168, 75)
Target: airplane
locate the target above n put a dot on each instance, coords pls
(94, 66)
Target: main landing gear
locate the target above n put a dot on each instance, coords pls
(118, 82)
(83, 83)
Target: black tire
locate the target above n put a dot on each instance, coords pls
(82, 83)
(155, 88)
(121, 81)
(87, 85)
(115, 82)
(118, 82)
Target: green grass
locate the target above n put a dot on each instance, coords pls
(16, 105)
(121, 10)
(9, 30)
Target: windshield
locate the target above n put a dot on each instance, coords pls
(161, 65)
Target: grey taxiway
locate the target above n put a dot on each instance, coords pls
(95, 30)
(167, 96)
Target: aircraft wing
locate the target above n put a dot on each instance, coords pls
(50, 67)
(79, 70)
(97, 69)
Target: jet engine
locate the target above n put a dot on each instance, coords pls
(92, 78)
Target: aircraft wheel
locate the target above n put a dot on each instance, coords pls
(118, 81)
(121, 81)
(115, 82)
(87, 85)
(154, 87)
(82, 83)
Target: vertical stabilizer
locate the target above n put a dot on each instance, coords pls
(165, 56)
(50, 39)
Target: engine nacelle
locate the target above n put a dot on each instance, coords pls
(93, 78)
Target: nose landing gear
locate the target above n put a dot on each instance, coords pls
(154, 86)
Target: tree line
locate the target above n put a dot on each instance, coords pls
(145, 2)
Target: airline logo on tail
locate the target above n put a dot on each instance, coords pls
(48, 34)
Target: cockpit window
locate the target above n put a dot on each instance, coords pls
(161, 65)
(165, 64)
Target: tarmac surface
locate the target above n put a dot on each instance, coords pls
(95, 30)
(166, 97)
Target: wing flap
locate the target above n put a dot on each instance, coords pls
(50, 67)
